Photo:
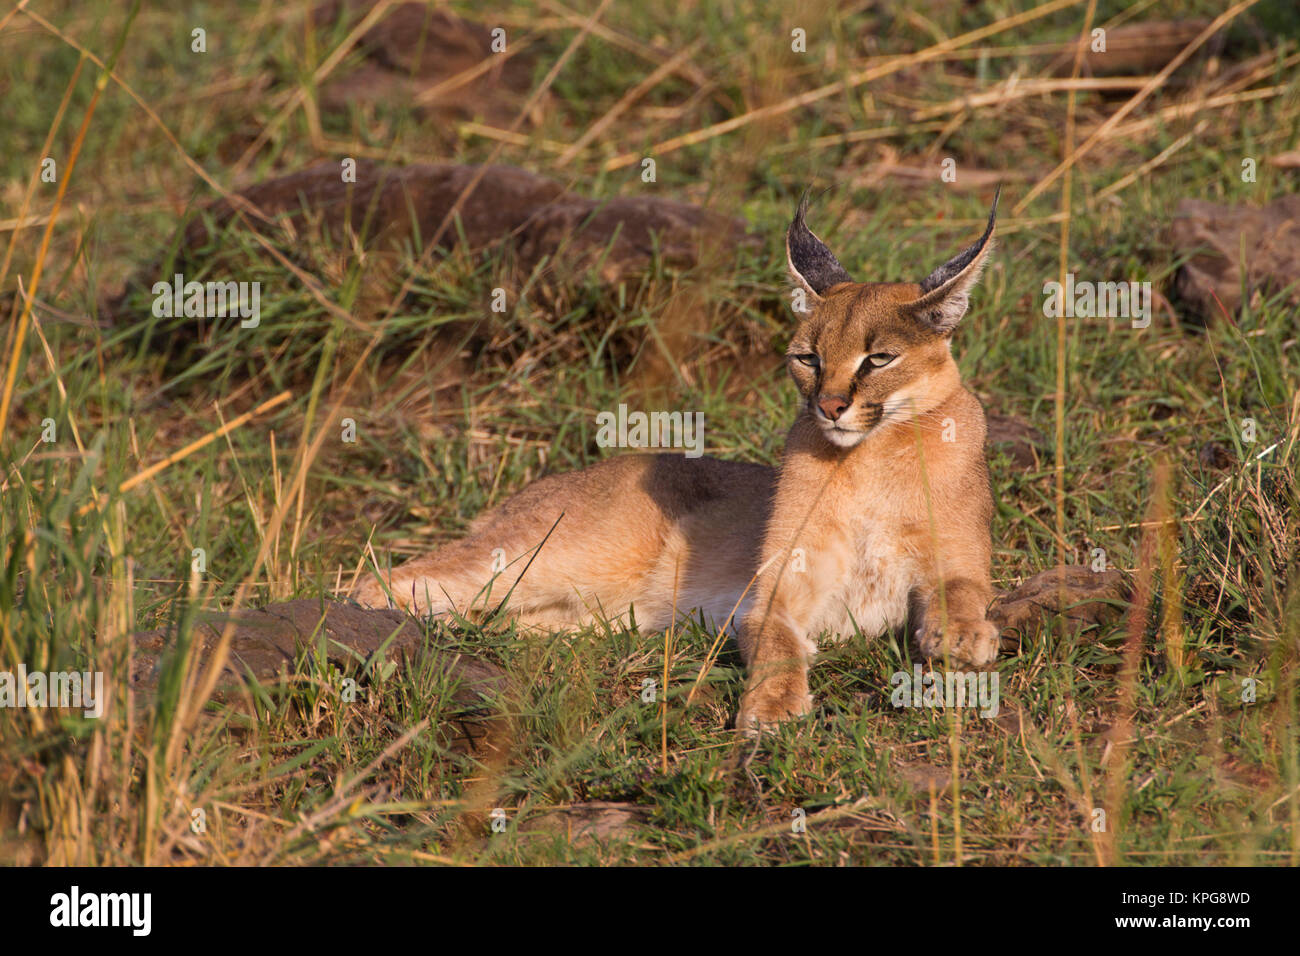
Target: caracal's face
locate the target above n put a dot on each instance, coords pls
(862, 362)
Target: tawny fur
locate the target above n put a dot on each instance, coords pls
(877, 514)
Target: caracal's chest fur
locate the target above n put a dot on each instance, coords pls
(869, 520)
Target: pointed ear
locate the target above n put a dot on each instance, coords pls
(812, 265)
(946, 290)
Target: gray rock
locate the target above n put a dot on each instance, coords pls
(1220, 238)
(1085, 598)
(267, 641)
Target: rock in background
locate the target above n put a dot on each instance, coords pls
(541, 222)
(267, 642)
(1218, 238)
(443, 64)
(1085, 597)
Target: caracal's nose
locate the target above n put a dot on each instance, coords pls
(833, 406)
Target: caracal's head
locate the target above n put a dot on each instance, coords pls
(869, 354)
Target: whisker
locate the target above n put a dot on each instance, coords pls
(915, 423)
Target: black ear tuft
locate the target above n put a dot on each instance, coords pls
(945, 292)
(953, 267)
(812, 265)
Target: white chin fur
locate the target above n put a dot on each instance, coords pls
(843, 439)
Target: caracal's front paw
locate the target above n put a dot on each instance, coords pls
(772, 701)
(973, 643)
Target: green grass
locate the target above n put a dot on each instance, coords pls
(458, 407)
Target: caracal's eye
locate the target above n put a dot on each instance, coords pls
(880, 359)
(810, 360)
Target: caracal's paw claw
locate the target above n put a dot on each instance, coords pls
(970, 643)
(772, 702)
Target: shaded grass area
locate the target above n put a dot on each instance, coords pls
(456, 406)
